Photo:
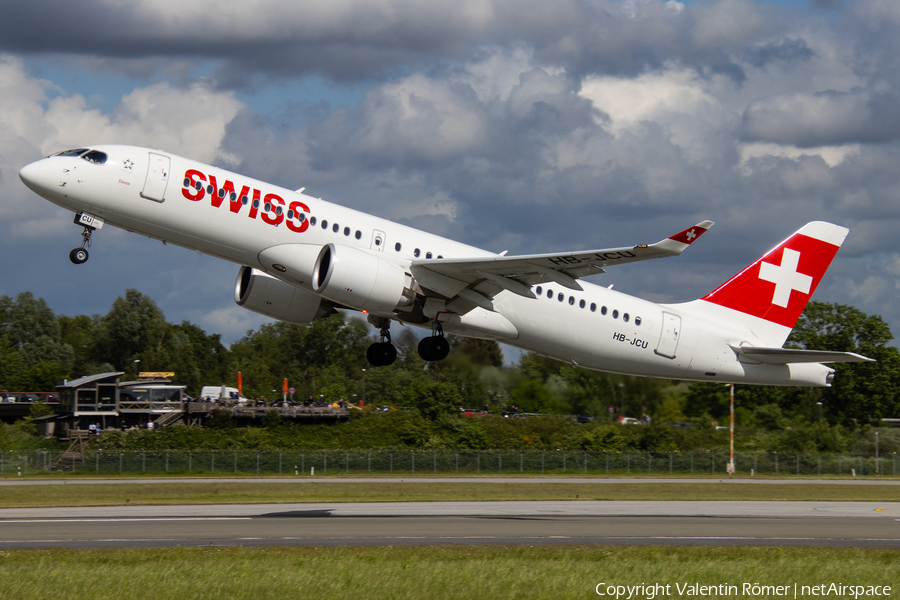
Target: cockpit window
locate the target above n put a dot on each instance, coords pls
(73, 152)
(95, 156)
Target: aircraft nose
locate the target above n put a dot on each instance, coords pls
(30, 174)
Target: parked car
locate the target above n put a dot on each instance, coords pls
(630, 421)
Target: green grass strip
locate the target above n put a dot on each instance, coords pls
(170, 493)
(432, 572)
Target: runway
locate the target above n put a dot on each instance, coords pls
(854, 524)
(304, 479)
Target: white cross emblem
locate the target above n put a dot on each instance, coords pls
(785, 277)
(690, 235)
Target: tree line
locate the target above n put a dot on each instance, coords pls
(38, 349)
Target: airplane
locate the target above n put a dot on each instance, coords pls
(302, 258)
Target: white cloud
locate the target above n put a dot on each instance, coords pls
(187, 121)
(727, 23)
(675, 99)
(419, 118)
(832, 155)
(38, 119)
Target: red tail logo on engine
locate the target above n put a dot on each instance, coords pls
(779, 284)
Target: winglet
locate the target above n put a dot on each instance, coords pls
(677, 243)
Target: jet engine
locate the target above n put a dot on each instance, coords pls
(263, 294)
(360, 280)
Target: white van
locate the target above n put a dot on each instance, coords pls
(221, 392)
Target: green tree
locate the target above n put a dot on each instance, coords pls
(133, 329)
(861, 392)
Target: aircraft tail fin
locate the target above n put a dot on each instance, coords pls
(771, 293)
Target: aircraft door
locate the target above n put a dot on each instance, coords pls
(157, 177)
(377, 240)
(671, 331)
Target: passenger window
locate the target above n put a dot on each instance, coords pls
(549, 293)
(416, 252)
(358, 234)
(625, 317)
(346, 231)
(581, 304)
(312, 220)
(428, 256)
(324, 224)
(603, 310)
(335, 228)
(593, 307)
(561, 297)
(615, 314)
(539, 290)
(397, 246)
(637, 321)
(571, 300)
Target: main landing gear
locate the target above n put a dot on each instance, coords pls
(383, 353)
(89, 223)
(435, 347)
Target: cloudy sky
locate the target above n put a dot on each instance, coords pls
(520, 125)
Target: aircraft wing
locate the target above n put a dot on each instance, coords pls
(783, 356)
(477, 280)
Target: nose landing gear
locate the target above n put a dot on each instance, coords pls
(89, 223)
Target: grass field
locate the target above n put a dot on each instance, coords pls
(238, 492)
(435, 573)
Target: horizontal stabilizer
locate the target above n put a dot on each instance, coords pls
(783, 356)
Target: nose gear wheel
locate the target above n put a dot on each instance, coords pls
(80, 255)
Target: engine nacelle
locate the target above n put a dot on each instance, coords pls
(263, 294)
(360, 280)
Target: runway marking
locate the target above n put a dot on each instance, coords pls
(126, 520)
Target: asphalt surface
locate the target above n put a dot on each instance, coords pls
(857, 524)
(304, 479)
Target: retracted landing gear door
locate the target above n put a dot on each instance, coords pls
(157, 178)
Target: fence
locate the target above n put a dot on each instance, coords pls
(445, 462)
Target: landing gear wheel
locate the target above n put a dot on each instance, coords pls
(435, 347)
(381, 354)
(78, 255)
(385, 353)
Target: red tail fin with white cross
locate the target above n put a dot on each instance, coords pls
(777, 286)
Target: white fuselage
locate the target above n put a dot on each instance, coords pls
(621, 334)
